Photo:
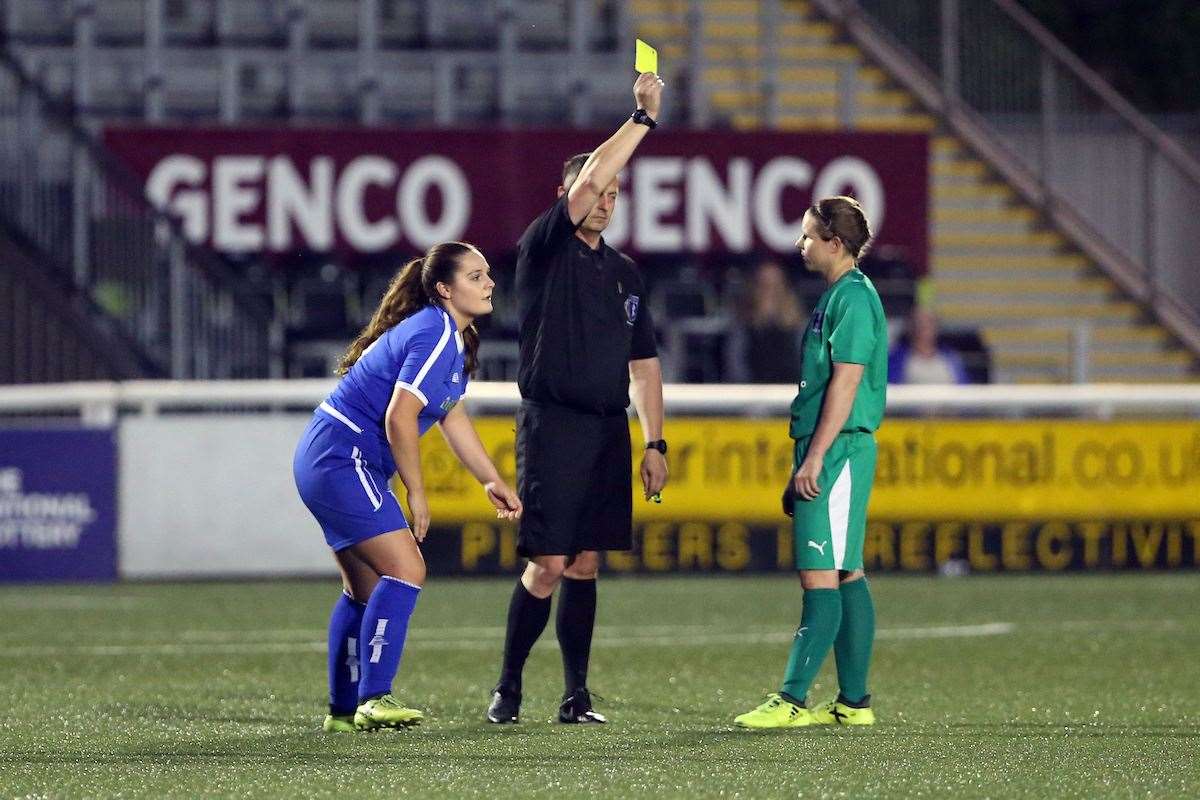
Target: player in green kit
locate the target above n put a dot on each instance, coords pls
(843, 386)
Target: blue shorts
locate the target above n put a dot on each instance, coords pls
(344, 487)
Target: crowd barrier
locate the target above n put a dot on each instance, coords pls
(193, 479)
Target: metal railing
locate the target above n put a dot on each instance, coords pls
(85, 217)
(45, 336)
(1112, 181)
(101, 403)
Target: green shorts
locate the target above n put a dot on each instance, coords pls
(829, 530)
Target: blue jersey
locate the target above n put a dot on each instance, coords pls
(423, 355)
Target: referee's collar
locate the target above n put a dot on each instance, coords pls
(599, 247)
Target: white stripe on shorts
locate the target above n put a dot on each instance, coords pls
(356, 455)
(839, 514)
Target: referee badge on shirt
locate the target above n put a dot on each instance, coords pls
(631, 308)
(817, 318)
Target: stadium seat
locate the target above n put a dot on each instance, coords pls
(252, 22)
(333, 23)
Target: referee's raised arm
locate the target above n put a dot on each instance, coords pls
(610, 158)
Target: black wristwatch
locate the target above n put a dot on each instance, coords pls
(658, 444)
(642, 118)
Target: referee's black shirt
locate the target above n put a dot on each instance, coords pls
(583, 318)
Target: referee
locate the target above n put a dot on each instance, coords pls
(586, 341)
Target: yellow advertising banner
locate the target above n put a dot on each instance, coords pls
(735, 469)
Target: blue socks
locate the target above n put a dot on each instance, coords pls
(344, 625)
(384, 628)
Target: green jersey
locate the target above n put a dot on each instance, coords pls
(847, 326)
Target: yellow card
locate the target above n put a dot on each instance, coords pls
(646, 58)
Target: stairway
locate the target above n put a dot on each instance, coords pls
(134, 286)
(47, 332)
(997, 267)
(995, 264)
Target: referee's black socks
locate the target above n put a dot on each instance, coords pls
(576, 618)
(527, 618)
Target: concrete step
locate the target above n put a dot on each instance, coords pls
(882, 100)
(733, 29)
(1132, 350)
(838, 53)
(797, 100)
(1027, 265)
(752, 119)
(959, 167)
(1004, 215)
(732, 100)
(798, 121)
(1065, 275)
(640, 8)
(1161, 361)
(985, 202)
(1112, 338)
(1100, 366)
(804, 104)
(742, 30)
(724, 75)
(669, 35)
(1066, 300)
(673, 49)
(732, 8)
(947, 146)
(900, 123)
(1012, 243)
(1143, 374)
(806, 29)
(1007, 314)
(972, 192)
(983, 228)
(872, 76)
(1023, 285)
(1039, 379)
(1030, 253)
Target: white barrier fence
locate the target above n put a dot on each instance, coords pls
(101, 403)
(204, 483)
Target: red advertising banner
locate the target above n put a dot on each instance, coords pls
(374, 190)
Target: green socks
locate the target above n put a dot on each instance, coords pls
(852, 648)
(819, 623)
(844, 619)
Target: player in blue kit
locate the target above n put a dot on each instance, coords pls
(407, 370)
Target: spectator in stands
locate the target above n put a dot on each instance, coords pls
(918, 358)
(768, 342)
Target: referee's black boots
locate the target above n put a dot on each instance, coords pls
(505, 708)
(576, 709)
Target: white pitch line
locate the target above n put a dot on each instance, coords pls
(653, 636)
(34, 602)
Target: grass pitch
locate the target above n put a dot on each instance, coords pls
(1082, 686)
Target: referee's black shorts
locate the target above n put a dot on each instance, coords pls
(575, 479)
